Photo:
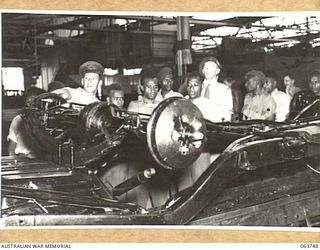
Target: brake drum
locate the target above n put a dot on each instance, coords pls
(176, 133)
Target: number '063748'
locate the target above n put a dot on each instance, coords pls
(305, 246)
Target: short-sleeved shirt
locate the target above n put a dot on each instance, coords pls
(171, 93)
(80, 96)
(220, 97)
(142, 106)
(260, 106)
(25, 143)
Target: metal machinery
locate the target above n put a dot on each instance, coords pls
(260, 173)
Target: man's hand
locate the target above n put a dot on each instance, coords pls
(64, 93)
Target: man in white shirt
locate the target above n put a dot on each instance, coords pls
(91, 78)
(282, 99)
(219, 95)
(165, 77)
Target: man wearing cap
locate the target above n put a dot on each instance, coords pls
(91, 77)
(281, 99)
(165, 78)
(220, 95)
(258, 104)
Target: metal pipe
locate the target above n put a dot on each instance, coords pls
(179, 59)
(163, 33)
(133, 182)
(72, 156)
(60, 153)
(17, 60)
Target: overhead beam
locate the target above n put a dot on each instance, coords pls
(17, 60)
(215, 24)
(207, 23)
(145, 18)
(67, 25)
(155, 32)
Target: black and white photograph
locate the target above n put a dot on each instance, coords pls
(160, 118)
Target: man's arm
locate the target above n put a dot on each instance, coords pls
(11, 147)
(12, 136)
(64, 93)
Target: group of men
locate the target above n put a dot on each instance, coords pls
(219, 102)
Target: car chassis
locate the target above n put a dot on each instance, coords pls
(264, 173)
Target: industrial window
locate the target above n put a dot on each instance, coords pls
(131, 72)
(12, 81)
(110, 72)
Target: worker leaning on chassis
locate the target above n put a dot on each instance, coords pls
(91, 78)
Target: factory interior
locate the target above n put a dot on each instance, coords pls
(39, 48)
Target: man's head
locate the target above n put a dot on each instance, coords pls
(115, 95)
(150, 87)
(91, 74)
(288, 80)
(271, 81)
(31, 94)
(150, 83)
(210, 67)
(254, 80)
(194, 86)
(165, 77)
(314, 83)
